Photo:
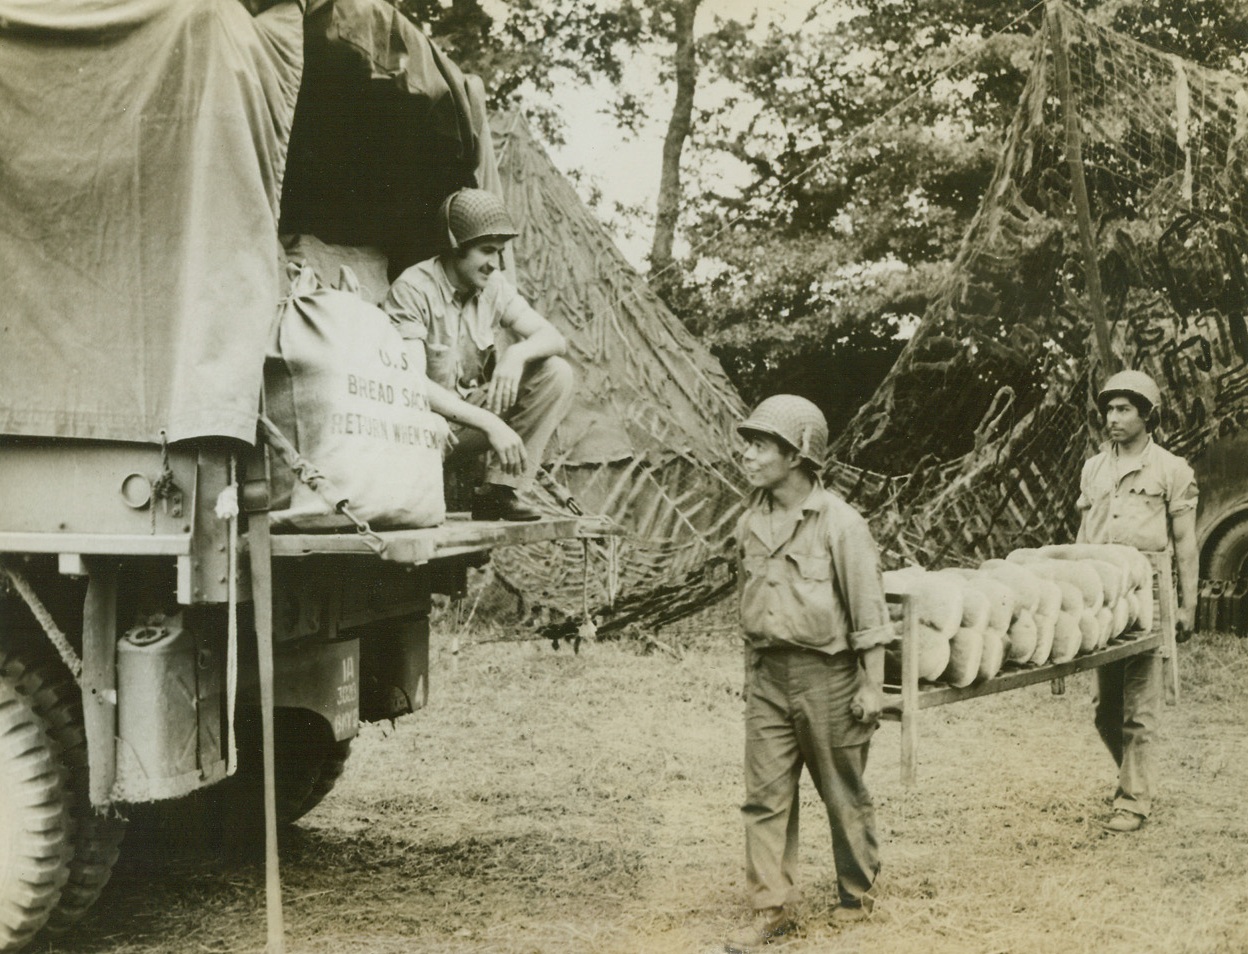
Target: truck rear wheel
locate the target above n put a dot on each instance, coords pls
(35, 823)
(1227, 554)
(92, 840)
(333, 765)
(308, 763)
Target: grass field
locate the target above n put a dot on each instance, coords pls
(551, 802)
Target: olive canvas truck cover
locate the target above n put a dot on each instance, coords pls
(146, 169)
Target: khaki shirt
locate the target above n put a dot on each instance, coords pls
(817, 587)
(1133, 502)
(458, 332)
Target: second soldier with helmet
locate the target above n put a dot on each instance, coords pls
(815, 624)
(1137, 493)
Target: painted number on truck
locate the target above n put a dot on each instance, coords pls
(345, 724)
(349, 688)
(347, 698)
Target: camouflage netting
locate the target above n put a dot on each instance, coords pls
(973, 444)
(650, 441)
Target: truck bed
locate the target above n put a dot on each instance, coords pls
(459, 535)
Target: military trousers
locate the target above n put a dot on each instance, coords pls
(1128, 706)
(546, 391)
(797, 714)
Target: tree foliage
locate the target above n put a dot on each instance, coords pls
(829, 170)
(525, 51)
(1210, 32)
(862, 143)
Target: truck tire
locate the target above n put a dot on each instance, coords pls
(307, 765)
(332, 767)
(1227, 552)
(307, 762)
(35, 820)
(93, 840)
(97, 845)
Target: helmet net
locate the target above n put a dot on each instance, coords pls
(475, 213)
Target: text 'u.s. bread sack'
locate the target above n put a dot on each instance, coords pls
(342, 387)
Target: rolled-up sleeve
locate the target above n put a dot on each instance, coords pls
(1182, 493)
(507, 305)
(1084, 503)
(1085, 532)
(856, 560)
(409, 309)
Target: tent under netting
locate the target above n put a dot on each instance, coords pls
(650, 440)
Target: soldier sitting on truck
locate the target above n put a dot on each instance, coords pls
(456, 304)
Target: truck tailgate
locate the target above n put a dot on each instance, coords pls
(458, 536)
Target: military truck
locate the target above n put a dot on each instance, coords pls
(1222, 526)
(155, 153)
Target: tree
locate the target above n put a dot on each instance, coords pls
(680, 15)
(845, 201)
(529, 47)
(871, 136)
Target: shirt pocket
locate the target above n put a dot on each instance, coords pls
(440, 364)
(812, 567)
(754, 565)
(1098, 493)
(815, 601)
(1148, 494)
(1142, 514)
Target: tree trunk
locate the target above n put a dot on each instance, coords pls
(678, 129)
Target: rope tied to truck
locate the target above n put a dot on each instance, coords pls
(312, 477)
(164, 486)
(73, 662)
(588, 627)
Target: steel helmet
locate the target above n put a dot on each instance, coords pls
(1130, 382)
(796, 421)
(471, 214)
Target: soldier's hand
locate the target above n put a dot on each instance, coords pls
(449, 441)
(867, 704)
(503, 389)
(509, 447)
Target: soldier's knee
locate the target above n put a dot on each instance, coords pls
(559, 371)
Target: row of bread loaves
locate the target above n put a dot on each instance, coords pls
(1036, 606)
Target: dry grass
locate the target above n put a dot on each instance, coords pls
(550, 802)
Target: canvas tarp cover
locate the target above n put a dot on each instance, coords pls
(142, 160)
(142, 151)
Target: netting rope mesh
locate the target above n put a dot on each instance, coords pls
(650, 440)
(973, 444)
